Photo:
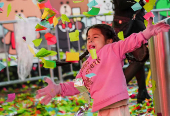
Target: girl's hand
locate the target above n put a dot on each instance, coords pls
(152, 30)
(49, 92)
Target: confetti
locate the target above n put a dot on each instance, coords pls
(136, 6)
(120, 35)
(92, 3)
(72, 56)
(94, 11)
(78, 1)
(1, 4)
(93, 53)
(9, 9)
(43, 53)
(64, 18)
(148, 15)
(11, 97)
(90, 75)
(49, 64)
(74, 36)
(51, 39)
(37, 42)
(41, 6)
(2, 66)
(55, 21)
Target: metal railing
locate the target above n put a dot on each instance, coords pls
(60, 76)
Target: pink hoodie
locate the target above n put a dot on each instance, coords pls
(109, 84)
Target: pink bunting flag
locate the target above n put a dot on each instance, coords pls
(11, 97)
(148, 15)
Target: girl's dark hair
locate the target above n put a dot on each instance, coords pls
(106, 30)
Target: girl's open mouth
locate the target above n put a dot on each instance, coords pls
(91, 47)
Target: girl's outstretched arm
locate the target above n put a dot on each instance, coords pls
(135, 40)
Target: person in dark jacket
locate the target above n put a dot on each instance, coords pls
(123, 13)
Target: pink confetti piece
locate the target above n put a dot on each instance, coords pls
(48, 4)
(148, 15)
(11, 97)
(1, 9)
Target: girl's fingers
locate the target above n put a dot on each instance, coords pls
(48, 80)
(46, 99)
(150, 21)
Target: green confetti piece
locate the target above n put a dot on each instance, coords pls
(12, 57)
(49, 64)
(93, 53)
(94, 11)
(38, 26)
(19, 17)
(153, 85)
(41, 0)
(74, 36)
(109, 13)
(43, 53)
(37, 42)
(64, 18)
(9, 9)
(120, 35)
(86, 14)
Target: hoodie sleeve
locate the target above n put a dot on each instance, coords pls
(68, 89)
(130, 43)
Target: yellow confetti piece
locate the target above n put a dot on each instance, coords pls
(137, 0)
(93, 53)
(72, 56)
(74, 36)
(55, 21)
(148, 7)
(31, 50)
(120, 35)
(78, 1)
(9, 9)
(45, 14)
(148, 77)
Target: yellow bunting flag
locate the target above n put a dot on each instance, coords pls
(72, 56)
(78, 1)
(74, 36)
(120, 35)
(31, 50)
(55, 21)
(9, 9)
(93, 53)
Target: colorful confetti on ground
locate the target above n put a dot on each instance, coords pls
(25, 104)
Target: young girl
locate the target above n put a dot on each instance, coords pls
(108, 88)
